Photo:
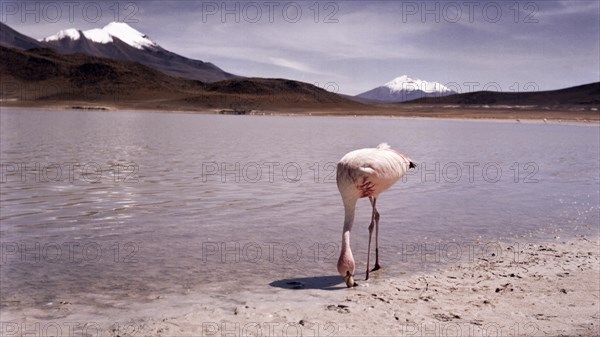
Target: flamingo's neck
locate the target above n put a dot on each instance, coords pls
(346, 260)
(349, 208)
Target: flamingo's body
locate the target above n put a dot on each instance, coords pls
(360, 174)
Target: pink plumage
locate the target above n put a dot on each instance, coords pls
(360, 174)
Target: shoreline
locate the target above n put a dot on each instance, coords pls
(545, 289)
(551, 289)
(471, 114)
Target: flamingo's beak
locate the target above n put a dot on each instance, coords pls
(349, 279)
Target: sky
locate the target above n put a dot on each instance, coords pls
(353, 46)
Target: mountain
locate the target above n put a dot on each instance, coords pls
(403, 89)
(45, 77)
(119, 41)
(11, 38)
(587, 94)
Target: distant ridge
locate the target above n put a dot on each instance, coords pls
(42, 76)
(13, 39)
(587, 94)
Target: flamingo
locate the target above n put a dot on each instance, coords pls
(360, 174)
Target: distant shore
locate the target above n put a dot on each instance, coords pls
(582, 114)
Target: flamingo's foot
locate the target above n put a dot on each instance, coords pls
(377, 267)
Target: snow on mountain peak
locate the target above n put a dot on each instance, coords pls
(71, 33)
(120, 30)
(125, 33)
(406, 83)
(98, 35)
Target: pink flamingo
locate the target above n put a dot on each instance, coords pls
(366, 173)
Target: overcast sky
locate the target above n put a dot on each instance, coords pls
(354, 46)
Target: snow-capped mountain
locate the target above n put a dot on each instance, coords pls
(119, 30)
(405, 88)
(119, 41)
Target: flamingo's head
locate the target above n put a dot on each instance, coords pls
(349, 279)
(346, 268)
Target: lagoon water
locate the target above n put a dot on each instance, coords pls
(127, 204)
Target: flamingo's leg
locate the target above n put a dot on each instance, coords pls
(376, 218)
(372, 200)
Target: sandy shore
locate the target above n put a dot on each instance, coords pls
(541, 289)
(549, 289)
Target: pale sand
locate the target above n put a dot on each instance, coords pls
(547, 289)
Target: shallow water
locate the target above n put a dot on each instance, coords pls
(157, 203)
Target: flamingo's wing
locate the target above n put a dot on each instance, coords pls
(367, 170)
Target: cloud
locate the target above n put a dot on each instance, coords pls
(297, 66)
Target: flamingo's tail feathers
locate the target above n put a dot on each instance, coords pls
(412, 165)
(383, 146)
